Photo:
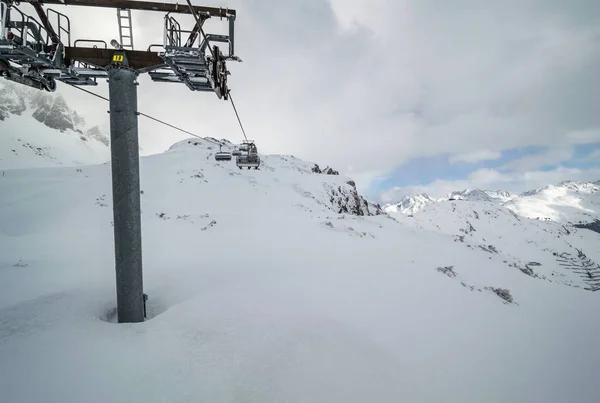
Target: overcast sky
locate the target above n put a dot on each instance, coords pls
(401, 95)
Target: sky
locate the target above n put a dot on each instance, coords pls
(403, 96)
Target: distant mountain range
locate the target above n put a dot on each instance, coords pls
(568, 201)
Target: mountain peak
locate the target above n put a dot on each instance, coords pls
(409, 204)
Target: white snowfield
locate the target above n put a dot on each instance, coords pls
(260, 291)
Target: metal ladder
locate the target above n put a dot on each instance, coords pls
(125, 28)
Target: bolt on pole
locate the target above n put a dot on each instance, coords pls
(125, 164)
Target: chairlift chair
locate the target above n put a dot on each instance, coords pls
(248, 161)
(222, 155)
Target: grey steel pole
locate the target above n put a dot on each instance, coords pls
(125, 164)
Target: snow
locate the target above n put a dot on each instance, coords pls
(259, 291)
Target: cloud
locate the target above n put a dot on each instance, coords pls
(584, 136)
(552, 156)
(594, 156)
(475, 157)
(492, 179)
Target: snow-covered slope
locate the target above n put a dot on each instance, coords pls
(38, 129)
(545, 250)
(260, 291)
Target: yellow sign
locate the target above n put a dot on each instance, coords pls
(117, 58)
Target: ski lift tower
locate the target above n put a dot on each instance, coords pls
(39, 52)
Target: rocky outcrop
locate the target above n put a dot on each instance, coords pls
(54, 112)
(326, 171)
(592, 226)
(50, 109)
(345, 199)
(11, 102)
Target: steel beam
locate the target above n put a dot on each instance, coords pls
(142, 5)
(99, 57)
(45, 22)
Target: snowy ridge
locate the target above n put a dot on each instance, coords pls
(337, 192)
(38, 129)
(263, 289)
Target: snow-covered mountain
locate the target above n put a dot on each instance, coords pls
(566, 202)
(284, 284)
(501, 195)
(409, 204)
(39, 129)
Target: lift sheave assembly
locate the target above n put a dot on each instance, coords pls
(39, 51)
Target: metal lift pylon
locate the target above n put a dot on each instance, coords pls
(125, 166)
(39, 54)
